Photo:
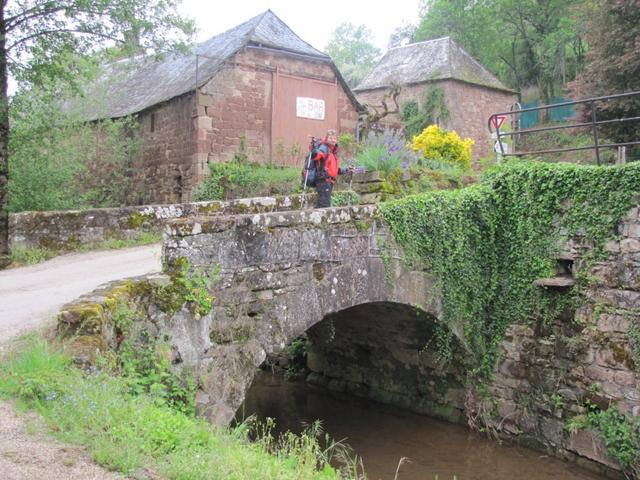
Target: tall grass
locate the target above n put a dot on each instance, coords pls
(127, 433)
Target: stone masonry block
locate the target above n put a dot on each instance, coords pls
(203, 122)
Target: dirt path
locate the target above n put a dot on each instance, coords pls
(27, 453)
(30, 297)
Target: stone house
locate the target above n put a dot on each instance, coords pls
(256, 87)
(471, 92)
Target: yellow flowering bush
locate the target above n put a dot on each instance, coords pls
(445, 146)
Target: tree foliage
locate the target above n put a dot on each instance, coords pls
(59, 162)
(352, 51)
(530, 42)
(37, 36)
(40, 32)
(613, 64)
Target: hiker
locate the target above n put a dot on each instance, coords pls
(325, 154)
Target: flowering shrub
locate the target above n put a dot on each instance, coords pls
(386, 152)
(440, 145)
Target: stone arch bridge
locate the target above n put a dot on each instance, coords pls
(283, 274)
(337, 275)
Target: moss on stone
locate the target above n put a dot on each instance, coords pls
(210, 208)
(85, 318)
(86, 347)
(241, 208)
(363, 225)
(137, 220)
(622, 355)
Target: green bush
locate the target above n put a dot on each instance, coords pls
(59, 162)
(239, 180)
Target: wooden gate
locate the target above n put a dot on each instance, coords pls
(300, 107)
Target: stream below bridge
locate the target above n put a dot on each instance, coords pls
(381, 435)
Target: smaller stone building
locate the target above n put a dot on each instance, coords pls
(257, 87)
(471, 92)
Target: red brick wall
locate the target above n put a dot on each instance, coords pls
(238, 103)
(469, 108)
(165, 167)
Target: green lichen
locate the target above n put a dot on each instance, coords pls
(138, 219)
(88, 318)
(210, 208)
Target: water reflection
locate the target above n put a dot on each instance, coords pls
(382, 435)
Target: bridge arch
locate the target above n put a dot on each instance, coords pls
(282, 274)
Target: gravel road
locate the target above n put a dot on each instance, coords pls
(31, 296)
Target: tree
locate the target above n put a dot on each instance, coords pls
(57, 160)
(353, 53)
(524, 42)
(402, 35)
(471, 23)
(613, 65)
(36, 34)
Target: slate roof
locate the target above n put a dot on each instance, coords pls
(134, 85)
(436, 59)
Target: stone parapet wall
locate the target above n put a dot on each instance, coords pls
(67, 230)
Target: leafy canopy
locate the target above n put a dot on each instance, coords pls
(41, 33)
(352, 51)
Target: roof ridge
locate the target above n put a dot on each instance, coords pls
(269, 11)
(463, 52)
(420, 43)
(258, 22)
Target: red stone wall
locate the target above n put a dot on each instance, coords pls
(189, 133)
(164, 168)
(469, 108)
(237, 103)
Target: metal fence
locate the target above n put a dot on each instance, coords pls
(531, 118)
(516, 114)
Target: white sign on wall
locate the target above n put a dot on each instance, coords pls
(310, 108)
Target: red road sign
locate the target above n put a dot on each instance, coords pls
(497, 121)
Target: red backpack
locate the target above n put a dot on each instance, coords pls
(327, 161)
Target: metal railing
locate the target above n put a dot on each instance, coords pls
(594, 123)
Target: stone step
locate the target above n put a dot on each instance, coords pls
(561, 281)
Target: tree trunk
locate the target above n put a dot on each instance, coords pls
(4, 141)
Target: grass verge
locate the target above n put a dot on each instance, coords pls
(127, 433)
(21, 256)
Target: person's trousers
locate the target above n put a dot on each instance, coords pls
(324, 194)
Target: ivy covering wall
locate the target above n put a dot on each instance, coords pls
(486, 244)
